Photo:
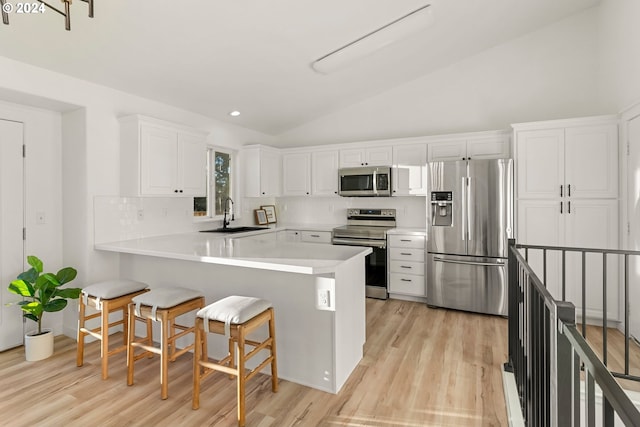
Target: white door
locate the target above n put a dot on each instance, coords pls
(11, 224)
(633, 195)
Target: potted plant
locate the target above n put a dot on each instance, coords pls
(42, 293)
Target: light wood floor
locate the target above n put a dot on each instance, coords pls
(422, 367)
(615, 353)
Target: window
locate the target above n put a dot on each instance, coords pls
(219, 184)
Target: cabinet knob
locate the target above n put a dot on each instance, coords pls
(464, 158)
(263, 192)
(175, 191)
(181, 191)
(307, 192)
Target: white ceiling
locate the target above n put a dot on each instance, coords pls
(214, 56)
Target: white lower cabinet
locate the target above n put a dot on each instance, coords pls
(406, 261)
(315, 236)
(304, 236)
(580, 224)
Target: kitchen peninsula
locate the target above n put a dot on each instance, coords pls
(317, 291)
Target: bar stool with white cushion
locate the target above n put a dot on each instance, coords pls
(106, 297)
(162, 305)
(235, 317)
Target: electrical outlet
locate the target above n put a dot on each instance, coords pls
(323, 298)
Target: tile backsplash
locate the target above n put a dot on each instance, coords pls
(125, 218)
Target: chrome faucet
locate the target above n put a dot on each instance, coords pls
(225, 223)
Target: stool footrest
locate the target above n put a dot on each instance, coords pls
(258, 347)
(186, 331)
(221, 368)
(93, 316)
(258, 368)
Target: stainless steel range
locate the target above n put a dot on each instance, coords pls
(368, 227)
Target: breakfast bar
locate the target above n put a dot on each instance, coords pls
(317, 291)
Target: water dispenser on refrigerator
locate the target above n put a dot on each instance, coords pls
(441, 208)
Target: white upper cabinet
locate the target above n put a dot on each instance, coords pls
(540, 163)
(483, 145)
(567, 162)
(296, 170)
(308, 173)
(161, 159)
(591, 161)
(374, 156)
(261, 168)
(409, 174)
(324, 173)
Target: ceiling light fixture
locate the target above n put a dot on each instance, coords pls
(234, 113)
(26, 7)
(375, 40)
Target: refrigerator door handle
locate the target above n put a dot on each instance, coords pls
(463, 214)
(451, 261)
(469, 232)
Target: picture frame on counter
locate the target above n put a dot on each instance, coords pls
(270, 210)
(261, 216)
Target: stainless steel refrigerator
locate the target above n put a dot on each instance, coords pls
(470, 219)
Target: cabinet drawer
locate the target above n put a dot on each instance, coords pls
(316, 236)
(406, 241)
(408, 284)
(407, 254)
(407, 267)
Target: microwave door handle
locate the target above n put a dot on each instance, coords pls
(375, 182)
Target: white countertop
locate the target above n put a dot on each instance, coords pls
(267, 253)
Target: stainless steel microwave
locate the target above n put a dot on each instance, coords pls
(365, 181)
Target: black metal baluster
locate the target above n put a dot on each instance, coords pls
(584, 295)
(604, 308)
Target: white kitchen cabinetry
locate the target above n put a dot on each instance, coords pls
(579, 162)
(568, 196)
(409, 174)
(262, 171)
(406, 258)
(491, 145)
(296, 180)
(324, 173)
(315, 236)
(161, 159)
(310, 173)
(374, 156)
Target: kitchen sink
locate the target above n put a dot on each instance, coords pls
(234, 229)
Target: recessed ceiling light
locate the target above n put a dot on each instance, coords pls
(234, 113)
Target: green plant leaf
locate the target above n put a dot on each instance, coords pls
(22, 288)
(51, 278)
(35, 262)
(55, 305)
(71, 293)
(66, 275)
(31, 275)
(33, 307)
(31, 316)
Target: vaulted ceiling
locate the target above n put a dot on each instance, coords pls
(215, 56)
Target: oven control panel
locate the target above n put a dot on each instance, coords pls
(380, 213)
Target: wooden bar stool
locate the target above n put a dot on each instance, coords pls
(106, 297)
(235, 317)
(161, 305)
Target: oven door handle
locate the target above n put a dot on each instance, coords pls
(370, 243)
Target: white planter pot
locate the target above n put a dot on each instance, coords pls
(38, 347)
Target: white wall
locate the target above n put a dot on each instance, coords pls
(620, 53)
(89, 156)
(548, 74)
